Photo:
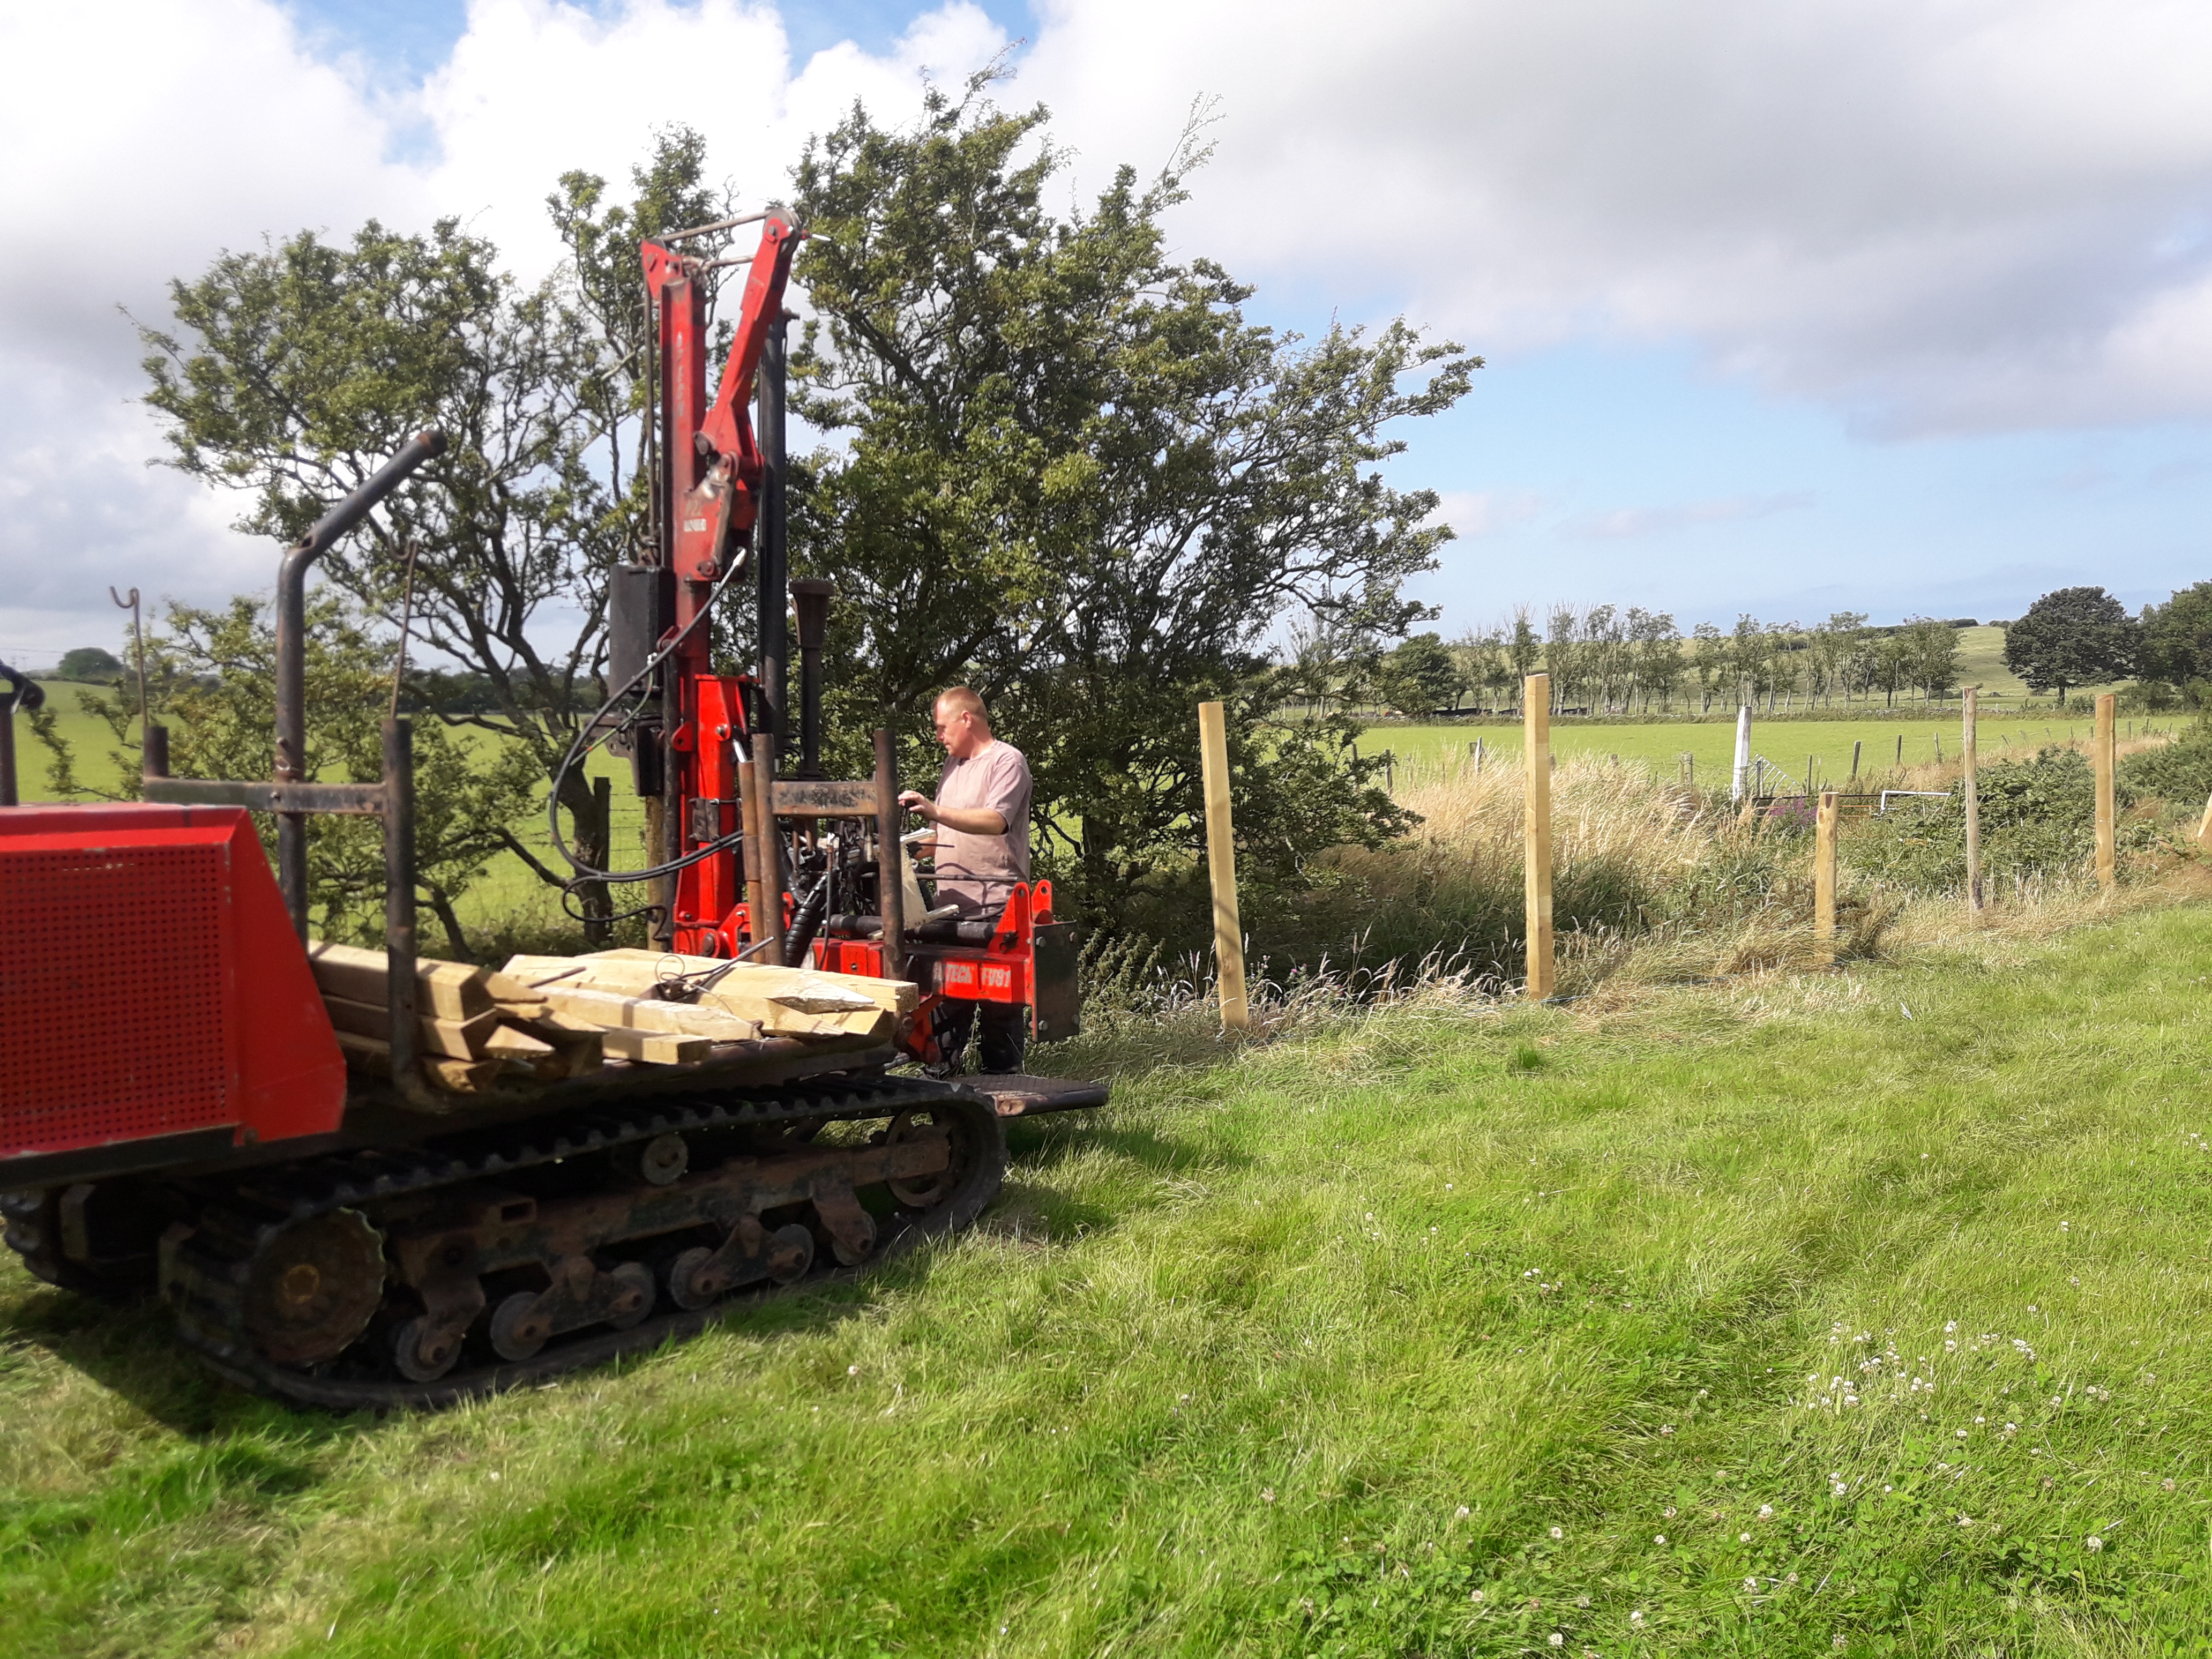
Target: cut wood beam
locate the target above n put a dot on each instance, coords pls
(657, 1047)
(458, 1076)
(446, 990)
(610, 1011)
(897, 996)
(451, 1039)
(564, 979)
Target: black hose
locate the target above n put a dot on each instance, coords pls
(806, 922)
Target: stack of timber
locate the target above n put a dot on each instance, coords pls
(547, 1018)
(475, 1025)
(654, 992)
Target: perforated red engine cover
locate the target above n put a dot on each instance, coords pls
(150, 983)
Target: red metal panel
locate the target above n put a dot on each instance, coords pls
(292, 1073)
(151, 984)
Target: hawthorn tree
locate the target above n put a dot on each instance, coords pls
(2177, 637)
(294, 372)
(1075, 474)
(2072, 636)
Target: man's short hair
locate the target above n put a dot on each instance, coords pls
(961, 699)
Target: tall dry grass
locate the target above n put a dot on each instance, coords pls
(1656, 884)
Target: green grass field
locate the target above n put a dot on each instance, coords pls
(1787, 745)
(1863, 1314)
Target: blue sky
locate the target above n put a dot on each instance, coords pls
(1904, 309)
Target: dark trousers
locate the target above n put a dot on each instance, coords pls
(1006, 1032)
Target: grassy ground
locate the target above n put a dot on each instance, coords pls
(1861, 1313)
(1787, 745)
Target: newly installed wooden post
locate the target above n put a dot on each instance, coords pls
(2204, 827)
(1823, 879)
(1536, 846)
(1221, 865)
(1967, 699)
(2106, 875)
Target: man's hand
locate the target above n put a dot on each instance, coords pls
(968, 820)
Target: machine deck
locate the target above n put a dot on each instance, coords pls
(1016, 1094)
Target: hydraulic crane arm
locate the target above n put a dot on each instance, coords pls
(711, 467)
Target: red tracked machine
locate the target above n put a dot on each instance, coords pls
(176, 1115)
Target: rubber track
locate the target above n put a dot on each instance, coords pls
(243, 1217)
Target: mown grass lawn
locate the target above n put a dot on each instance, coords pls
(1761, 1318)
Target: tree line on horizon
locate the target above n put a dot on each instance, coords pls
(1613, 660)
(1604, 659)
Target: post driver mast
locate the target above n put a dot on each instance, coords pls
(707, 746)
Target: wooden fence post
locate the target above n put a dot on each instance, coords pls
(2204, 827)
(2107, 876)
(1823, 880)
(1742, 752)
(1221, 865)
(1536, 844)
(1969, 700)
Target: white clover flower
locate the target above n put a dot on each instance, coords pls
(2166, 1485)
(1840, 1489)
(1766, 1511)
(1751, 1584)
(1743, 1538)
(852, 1371)
(1659, 1538)
(1667, 1514)
(1949, 1326)
(1636, 1617)
(1962, 1434)
(1559, 1532)
(2093, 1544)
(1266, 1494)
(1556, 1639)
(1460, 1513)
(1476, 1596)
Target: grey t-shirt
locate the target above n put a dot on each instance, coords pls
(977, 873)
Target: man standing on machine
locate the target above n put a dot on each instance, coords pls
(983, 808)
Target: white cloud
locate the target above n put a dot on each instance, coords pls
(535, 88)
(1485, 512)
(1961, 215)
(1625, 524)
(142, 140)
(1940, 214)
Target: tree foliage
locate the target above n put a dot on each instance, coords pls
(294, 372)
(2176, 638)
(2072, 636)
(1077, 475)
(88, 663)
